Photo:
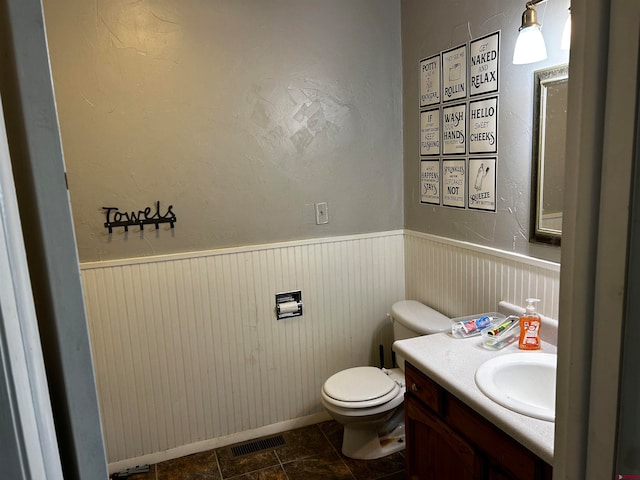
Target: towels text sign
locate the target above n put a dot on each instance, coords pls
(117, 218)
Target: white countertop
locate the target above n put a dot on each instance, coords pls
(452, 363)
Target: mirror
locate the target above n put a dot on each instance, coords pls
(549, 134)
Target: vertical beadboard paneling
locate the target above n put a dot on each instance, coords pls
(187, 348)
(459, 279)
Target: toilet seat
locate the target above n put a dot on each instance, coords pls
(360, 387)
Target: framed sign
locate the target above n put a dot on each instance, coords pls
(454, 74)
(430, 132)
(430, 181)
(482, 183)
(483, 125)
(430, 81)
(454, 180)
(484, 55)
(454, 129)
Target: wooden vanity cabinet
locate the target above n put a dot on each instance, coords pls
(446, 439)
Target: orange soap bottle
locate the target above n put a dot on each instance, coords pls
(530, 324)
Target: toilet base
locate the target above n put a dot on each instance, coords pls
(365, 444)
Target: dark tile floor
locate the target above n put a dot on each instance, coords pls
(309, 453)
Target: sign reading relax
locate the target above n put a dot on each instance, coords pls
(483, 66)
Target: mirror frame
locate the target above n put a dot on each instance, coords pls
(541, 78)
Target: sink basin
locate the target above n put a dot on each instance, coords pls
(522, 382)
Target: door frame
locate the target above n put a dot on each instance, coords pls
(27, 431)
(600, 145)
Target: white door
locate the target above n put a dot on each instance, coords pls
(27, 435)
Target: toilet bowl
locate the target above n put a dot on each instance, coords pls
(368, 401)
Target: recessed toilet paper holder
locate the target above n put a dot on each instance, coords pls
(289, 304)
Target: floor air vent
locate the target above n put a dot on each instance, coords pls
(257, 445)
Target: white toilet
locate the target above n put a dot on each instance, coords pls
(368, 400)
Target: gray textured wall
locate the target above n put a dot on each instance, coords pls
(240, 113)
(427, 29)
(243, 114)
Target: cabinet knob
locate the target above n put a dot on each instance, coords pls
(414, 388)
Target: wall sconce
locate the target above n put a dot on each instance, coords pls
(530, 45)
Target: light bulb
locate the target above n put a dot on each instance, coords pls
(565, 44)
(530, 46)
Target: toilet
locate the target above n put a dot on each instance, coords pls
(368, 401)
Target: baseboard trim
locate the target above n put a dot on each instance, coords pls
(218, 442)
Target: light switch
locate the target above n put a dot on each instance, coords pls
(322, 213)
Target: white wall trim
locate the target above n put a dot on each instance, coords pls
(219, 442)
(232, 250)
(516, 257)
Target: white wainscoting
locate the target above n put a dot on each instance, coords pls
(189, 355)
(187, 347)
(459, 278)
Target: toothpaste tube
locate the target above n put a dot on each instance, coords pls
(476, 324)
(502, 327)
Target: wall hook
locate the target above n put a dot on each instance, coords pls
(117, 218)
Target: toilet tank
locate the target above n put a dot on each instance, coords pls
(412, 319)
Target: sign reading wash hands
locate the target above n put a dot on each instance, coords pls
(454, 129)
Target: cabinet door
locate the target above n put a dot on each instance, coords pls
(435, 451)
(544, 473)
(496, 474)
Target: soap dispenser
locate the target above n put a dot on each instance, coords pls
(530, 327)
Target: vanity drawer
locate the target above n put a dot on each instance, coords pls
(423, 388)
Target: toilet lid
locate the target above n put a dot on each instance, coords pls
(359, 384)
